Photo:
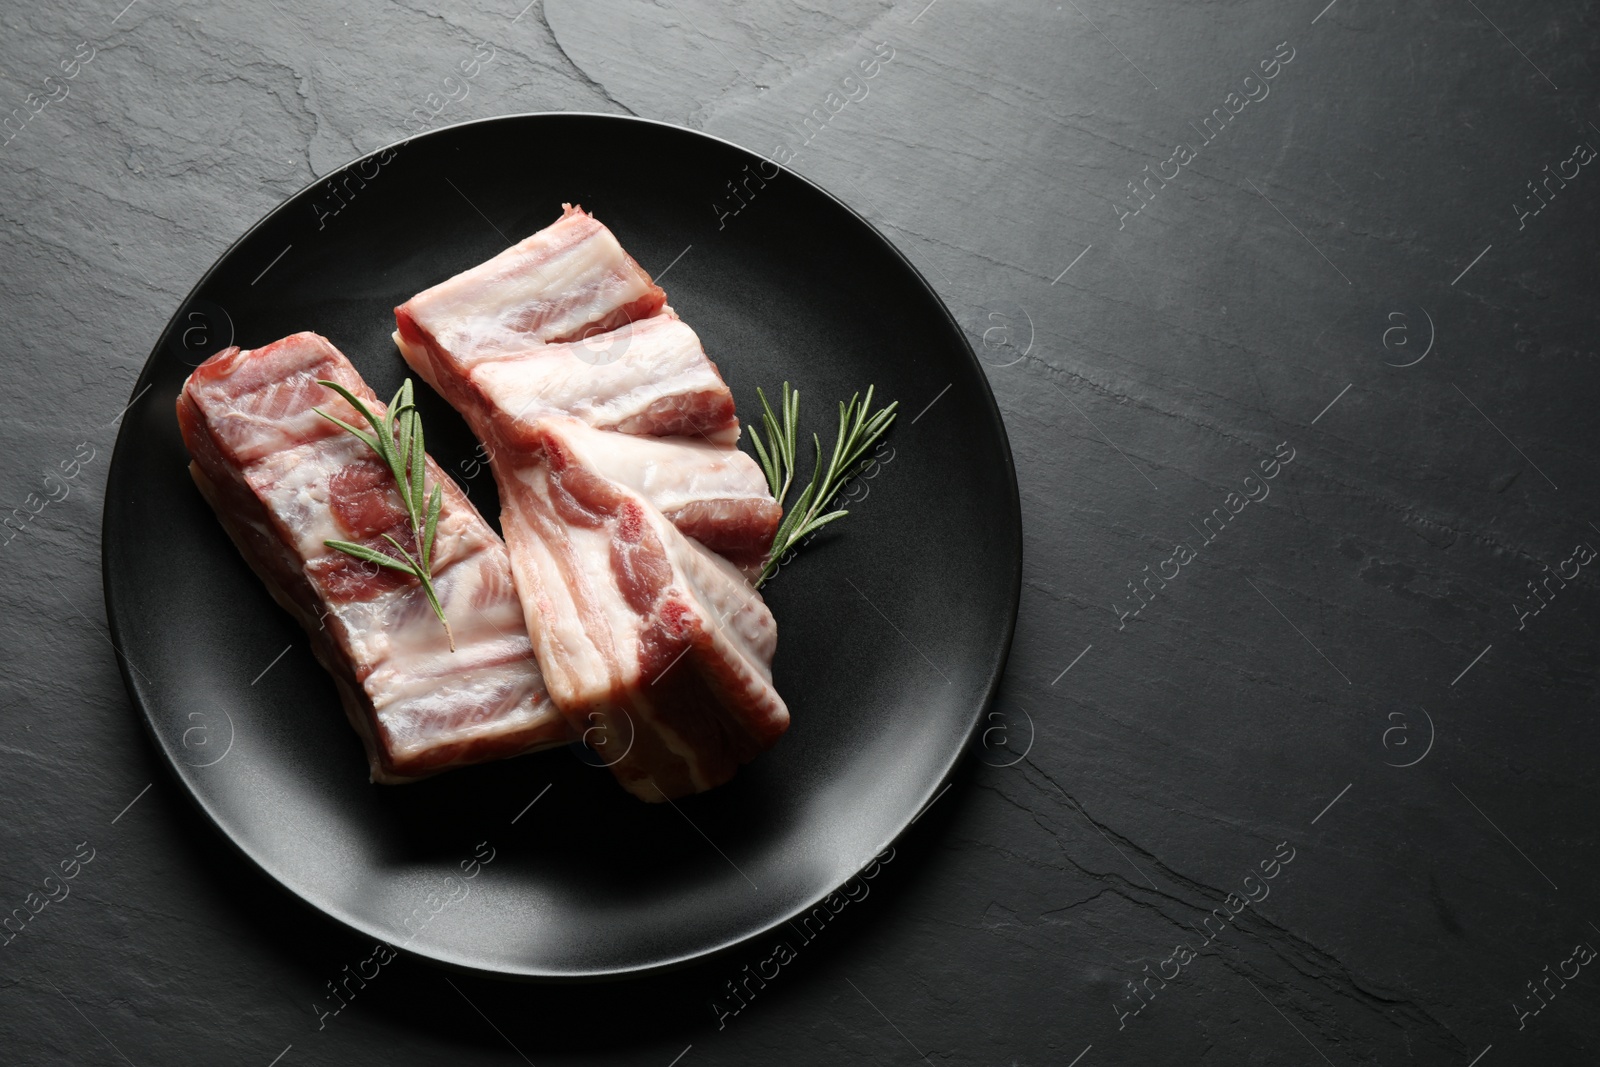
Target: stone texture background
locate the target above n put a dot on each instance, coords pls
(1374, 206)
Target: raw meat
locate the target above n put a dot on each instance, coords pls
(647, 375)
(282, 479)
(718, 496)
(611, 438)
(568, 281)
(642, 633)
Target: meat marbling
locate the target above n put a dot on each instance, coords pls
(282, 479)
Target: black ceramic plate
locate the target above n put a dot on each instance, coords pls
(893, 627)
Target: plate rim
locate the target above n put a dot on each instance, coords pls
(142, 700)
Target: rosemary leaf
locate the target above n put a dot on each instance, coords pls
(419, 466)
(370, 555)
(817, 524)
(433, 524)
(767, 465)
(399, 416)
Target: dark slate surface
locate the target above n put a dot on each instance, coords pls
(1354, 271)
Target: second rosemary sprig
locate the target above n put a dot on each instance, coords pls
(860, 428)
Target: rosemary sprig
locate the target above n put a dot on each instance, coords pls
(397, 439)
(859, 430)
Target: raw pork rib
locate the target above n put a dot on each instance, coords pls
(568, 281)
(282, 479)
(648, 377)
(642, 632)
(627, 510)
